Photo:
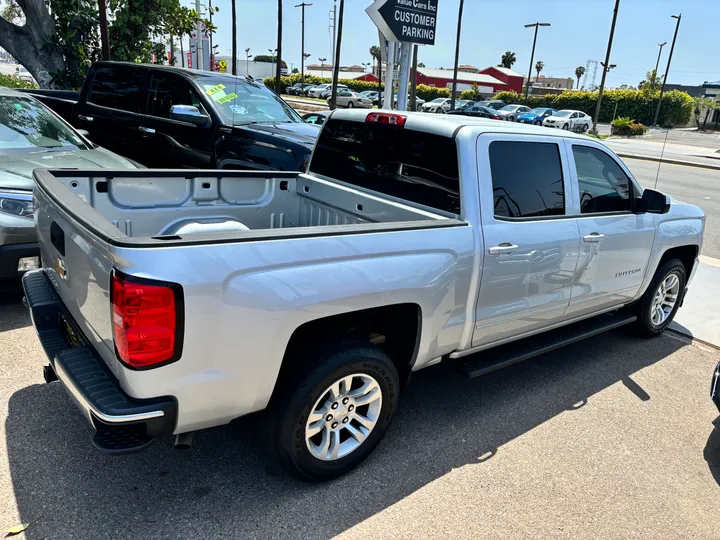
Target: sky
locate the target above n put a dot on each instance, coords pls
(579, 32)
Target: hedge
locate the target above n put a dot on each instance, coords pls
(12, 82)
(428, 93)
(289, 80)
(628, 127)
(676, 109)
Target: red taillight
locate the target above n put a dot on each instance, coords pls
(386, 118)
(146, 321)
(496, 117)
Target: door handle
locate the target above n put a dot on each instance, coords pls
(85, 118)
(146, 129)
(504, 248)
(593, 237)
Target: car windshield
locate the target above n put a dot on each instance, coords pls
(509, 108)
(563, 113)
(244, 102)
(27, 125)
(439, 100)
(539, 111)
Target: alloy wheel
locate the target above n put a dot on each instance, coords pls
(665, 299)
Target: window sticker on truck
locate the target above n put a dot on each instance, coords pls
(214, 89)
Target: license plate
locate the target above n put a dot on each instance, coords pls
(70, 334)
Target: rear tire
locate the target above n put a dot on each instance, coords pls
(657, 308)
(538, 123)
(303, 394)
(566, 127)
(584, 128)
(350, 105)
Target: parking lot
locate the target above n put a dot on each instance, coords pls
(612, 438)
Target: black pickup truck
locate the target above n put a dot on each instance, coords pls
(171, 117)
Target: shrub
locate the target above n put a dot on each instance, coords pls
(676, 109)
(357, 86)
(469, 94)
(428, 93)
(11, 82)
(627, 127)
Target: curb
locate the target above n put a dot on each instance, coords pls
(670, 161)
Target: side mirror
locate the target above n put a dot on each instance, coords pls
(653, 202)
(83, 132)
(188, 113)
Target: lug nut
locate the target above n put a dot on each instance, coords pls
(329, 417)
(351, 407)
(334, 425)
(345, 420)
(345, 401)
(335, 405)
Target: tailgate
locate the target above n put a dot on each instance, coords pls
(77, 262)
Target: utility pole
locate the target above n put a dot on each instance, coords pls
(302, 47)
(413, 80)
(212, 56)
(657, 64)
(457, 55)
(336, 65)
(334, 43)
(234, 39)
(102, 16)
(200, 57)
(532, 54)
(278, 66)
(667, 69)
(606, 67)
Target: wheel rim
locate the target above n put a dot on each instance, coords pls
(343, 417)
(665, 299)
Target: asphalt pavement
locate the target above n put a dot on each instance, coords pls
(609, 438)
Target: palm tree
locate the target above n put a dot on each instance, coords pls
(579, 72)
(539, 65)
(508, 59)
(376, 53)
(234, 38)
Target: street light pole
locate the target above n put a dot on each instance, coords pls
(336, 65)
(302, 46)
(278, 55)
(657, 64)
(606, 67)
(322, 66)
(248, 56)
(457, 55)
(532, 54)
(667, 69)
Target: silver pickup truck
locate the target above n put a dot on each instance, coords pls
(172, 301)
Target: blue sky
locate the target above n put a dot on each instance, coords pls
(579, 32)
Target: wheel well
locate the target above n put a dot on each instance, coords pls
(686, 254)
(395, 328)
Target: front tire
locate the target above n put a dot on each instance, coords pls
(566, 127)
(326, 422)
(350, 105)
(658, 306)
(538, 123)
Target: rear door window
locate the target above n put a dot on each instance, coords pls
(527, 179)
(118, 87)
(410, 165)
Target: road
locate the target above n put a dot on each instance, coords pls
(689, 184)
(608, 438)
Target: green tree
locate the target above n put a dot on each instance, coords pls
(507, 60)
(539, 65)
(376, 53)
(579, 72)
(295, 70)
(651, 82)
(702, 103)
(268, 58)
(421, 64)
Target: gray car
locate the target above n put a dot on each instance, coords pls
(31, 136)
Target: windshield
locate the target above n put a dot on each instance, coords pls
(539, 111)
(243, 102)
(25, 124)
(438, 100)
(562, 113)
(509, 108)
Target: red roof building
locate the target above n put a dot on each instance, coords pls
(442, 78)
(512, 80)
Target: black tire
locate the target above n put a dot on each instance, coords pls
(644, 324)
(538, 122)
(584, 128)
(566, 127)
(350, 105)
(298, 393)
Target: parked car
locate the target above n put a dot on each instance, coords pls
(494, 104)
(23, 74)
(316, 117)
(328, 288)
(569, 119)
(437, 105)
(349, 99)
(477, 111)
(419, 101)
(32, 136)
(327, 91)
(536, 116)
(317, 91)
(299, 89)
(164, 116)
(511, 112)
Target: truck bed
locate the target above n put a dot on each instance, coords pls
(161, 206)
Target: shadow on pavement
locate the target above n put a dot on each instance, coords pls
(225, 487)
(712, 451)
(13, 314)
